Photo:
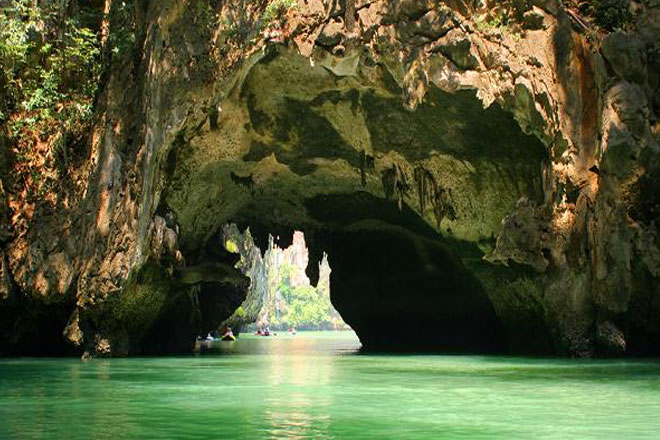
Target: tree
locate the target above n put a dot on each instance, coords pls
(305, 307)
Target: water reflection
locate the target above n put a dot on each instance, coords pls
(305, 389)
(297, 373)
(297, 423)
(295, 409)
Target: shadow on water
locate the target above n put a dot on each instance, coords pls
(321, 386)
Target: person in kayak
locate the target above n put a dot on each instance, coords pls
(228, 335)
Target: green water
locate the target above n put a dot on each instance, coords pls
(316, 386)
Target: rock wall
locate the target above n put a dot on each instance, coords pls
(528, 151)
(255, 266)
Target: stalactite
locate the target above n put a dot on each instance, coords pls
(426, 186)
(388, 179)
(246, 182)
(367, 163)
(213, 117)
(395, 182)
(402, 185)
(421, 188)
(363, 166)
(443, 205)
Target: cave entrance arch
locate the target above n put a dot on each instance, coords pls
(405, 203)
(281, 297)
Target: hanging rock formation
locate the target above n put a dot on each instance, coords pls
(487, 186)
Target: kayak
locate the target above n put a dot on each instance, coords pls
(229, 338)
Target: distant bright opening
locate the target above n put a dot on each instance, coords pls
(281, 297)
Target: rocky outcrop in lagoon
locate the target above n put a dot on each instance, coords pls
(484, 176)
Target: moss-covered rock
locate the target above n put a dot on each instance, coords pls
(453, 140)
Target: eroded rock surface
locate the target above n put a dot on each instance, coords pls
(495, 182)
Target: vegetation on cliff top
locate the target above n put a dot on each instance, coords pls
(276, 9)
(608, 14)
(49, 74)
(301, 306)
(50, 61)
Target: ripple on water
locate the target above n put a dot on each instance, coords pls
(318, 386)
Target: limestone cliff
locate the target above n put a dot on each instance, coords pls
(487, 175)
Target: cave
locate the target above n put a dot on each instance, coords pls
(409, 198)
(281, 297)
(488, 187)
(406, 202)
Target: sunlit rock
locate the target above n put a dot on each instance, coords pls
(488, 184)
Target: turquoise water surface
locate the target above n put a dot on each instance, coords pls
(318, 386)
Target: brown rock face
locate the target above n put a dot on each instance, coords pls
(494, 179)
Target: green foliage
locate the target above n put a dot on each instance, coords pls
(49, 74)
(231, 246)
(608, 14)
(305, 307)
(45, 60)
(502, 16)
(277, 9)
(121, 39)
(301, 306)
(490, 23)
